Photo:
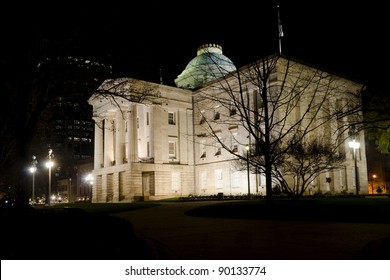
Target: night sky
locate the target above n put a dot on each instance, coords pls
(139, 39)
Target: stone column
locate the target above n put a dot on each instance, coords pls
(119, 137)
(98, 149)
(128, 134)
(160, 147)
(132, 134)
(108, 141)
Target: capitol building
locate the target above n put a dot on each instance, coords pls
(154, 141)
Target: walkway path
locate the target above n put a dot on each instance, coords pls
(175, 235)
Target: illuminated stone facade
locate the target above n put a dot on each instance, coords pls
(157, 148)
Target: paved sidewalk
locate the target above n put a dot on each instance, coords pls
(174, 235)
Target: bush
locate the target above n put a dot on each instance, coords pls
(276, 190)
(379, 189)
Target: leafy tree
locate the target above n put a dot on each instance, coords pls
(377, 119)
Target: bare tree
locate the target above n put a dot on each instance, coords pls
(119, 90)
(47, 54)
(303, 162)
(38, 63)
(278, 106)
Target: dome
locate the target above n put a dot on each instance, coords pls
(209, 64)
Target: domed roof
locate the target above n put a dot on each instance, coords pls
(209, 64)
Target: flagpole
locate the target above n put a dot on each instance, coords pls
(280, 31)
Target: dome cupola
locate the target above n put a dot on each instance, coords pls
(209, 65)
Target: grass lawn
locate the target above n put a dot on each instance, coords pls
(371, 210)
(342, 209)
(71, 231)
(88, 231)
(102, 208)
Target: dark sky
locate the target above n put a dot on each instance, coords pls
(140, 38)
(343, 37)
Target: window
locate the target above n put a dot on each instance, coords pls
(273, 78)
(202, 148)
(218, 179)
(218, 149)
(171, 118)
(218, 146)
(314, 181)
(235, 148)
(236, 179)
(233, 133)
(217, 115)
(147, 118)
(203, 180)
(202, 117)
(233, 109)
(147, 149)
(172, 149)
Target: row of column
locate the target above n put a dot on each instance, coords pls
(116, 137)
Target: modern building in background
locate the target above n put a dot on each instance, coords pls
(67, 129)
(155, 145)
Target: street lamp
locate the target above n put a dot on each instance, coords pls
(355, 145)
(69, 190)
(49, 164)
(33, 168)
(247, 167)
(372, 184)
(89, 178)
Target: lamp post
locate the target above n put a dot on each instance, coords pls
(372, 184)
(355, 145)
(89, 179)
(33, 168)
(49, 164)
(247, 167)
(69, 189)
